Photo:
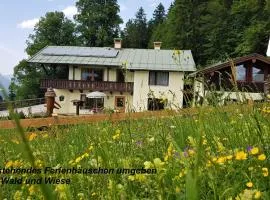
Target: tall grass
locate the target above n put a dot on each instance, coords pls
(196, 156)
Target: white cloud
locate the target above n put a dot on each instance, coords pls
(70, 11)
(28, 24)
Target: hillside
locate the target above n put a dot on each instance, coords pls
(5, 81)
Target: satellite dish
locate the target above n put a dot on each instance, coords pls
(268, 49)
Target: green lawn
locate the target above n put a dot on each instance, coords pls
(212, 155)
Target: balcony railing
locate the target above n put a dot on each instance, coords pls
(86, 85)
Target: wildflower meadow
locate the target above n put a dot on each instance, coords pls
(208, 155)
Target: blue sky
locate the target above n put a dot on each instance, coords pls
(19, 16)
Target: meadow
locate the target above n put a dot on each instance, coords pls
(216, 154)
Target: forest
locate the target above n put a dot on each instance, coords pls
(214, 30)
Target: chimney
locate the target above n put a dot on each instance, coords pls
(157, 45)
(117, 43)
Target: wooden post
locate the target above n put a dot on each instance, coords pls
(50, 100)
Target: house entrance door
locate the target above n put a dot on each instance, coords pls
(120, 103)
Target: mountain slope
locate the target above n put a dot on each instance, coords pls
(5, 81)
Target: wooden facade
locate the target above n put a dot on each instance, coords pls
(246, 74)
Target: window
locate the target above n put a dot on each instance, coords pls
(120, 102)
(92, 74)
(120, 77)
(241, 73)
(91, 103)
(158, 78)
(257, 74)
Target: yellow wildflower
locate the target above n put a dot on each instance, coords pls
(71, 162)
(220, 147)
(131, 178)
(32, 136)
(191, 152)
(18, 195)
(158, 163)
(38, 163)
(181, 174)
(85, 155)
(229, 157)
(140, 177)
(90, 148)
(31, 190)
(170, 150)
(17, 163)
(45, 135)
(116, 136)
(204, 142)
(257, 195)
(261, 157)
(9, 164)
(15, 141)
(77, 160)
(265, 171)
(249, 184)
(110, 185)
(177, 189)
(61, 189)
(221, 160)
(93, 194)
(241, 155)
(147, 164)
(254, 151)
(209, 163)
(169, 153)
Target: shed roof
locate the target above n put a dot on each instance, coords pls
(135, 59)
(235, 61)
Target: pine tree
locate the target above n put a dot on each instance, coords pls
(159, 16)
(135, 35)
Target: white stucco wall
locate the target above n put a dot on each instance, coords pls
(136, 102)
(67, 106)
(172, 92)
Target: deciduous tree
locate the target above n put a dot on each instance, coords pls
(98, 22)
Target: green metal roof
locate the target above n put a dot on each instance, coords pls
(135, 59)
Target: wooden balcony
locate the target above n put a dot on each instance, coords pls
(86, 85)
